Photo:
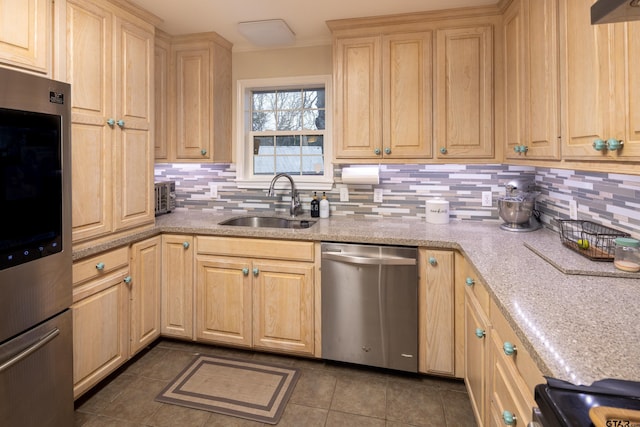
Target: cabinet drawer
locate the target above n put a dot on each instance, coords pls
(475, 286)
(273, 249)
(88, 268)
(522, 362)
(508, 392)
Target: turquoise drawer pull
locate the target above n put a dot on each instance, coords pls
(599, 145)
(100, 266)
(256, 271)
(508, 418)
(185, 245)
(614, 144)
(245, 271)
(470, 281)
(509, 349)
(433, 261)
(480, 333)
(127, 280)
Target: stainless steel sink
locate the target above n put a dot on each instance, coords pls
(267, 221)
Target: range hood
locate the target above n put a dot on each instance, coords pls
(610, 11)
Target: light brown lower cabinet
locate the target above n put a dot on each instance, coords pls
(144, 293)
(177, 286)
(476, 345)
(436, 312)
(116, 310)
(500, 374)
(256, 293)
(100, 313)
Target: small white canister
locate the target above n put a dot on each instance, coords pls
(437, 211)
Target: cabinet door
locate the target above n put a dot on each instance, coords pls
(283, 306)
(133, 130)
(161, 82)
(177, 286)
(100, 333)
(144, 290)
(408, 95)
(476, 345)
(464, 93)
(542, 84)
(588, 70)
(223, 300)
(192, 102)
(514, 79)
(437, 311)
(89, 32)
(25, 32)
(357, 77)
(630, 133)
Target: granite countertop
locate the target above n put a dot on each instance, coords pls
(579, 321)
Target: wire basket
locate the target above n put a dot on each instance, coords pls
(594, 241)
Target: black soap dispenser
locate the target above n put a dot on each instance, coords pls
(315, 206)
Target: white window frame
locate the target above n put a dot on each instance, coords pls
(244, 151)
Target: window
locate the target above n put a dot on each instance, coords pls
(284, 127)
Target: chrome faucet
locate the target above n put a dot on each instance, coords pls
(296, 206)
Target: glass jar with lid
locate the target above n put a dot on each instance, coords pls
(627, 257)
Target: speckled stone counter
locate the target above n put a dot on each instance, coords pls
(578, 327)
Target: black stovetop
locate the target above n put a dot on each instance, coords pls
(565, 405)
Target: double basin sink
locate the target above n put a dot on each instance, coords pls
(268, 222)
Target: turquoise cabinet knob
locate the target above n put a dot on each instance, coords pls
(245, 271)
(524, 148)
(599, 145)
(480, 333)
(256, 271)
(377, 151)
(516, 149)
(443, 150)
(509, 349)
(508, 418)
(127, 280)
(614, 144)
(203, 152)
(120, 123)
(111, 122)
(433, 261)
(100, 266)
(185, 245)
(470, 281)
(387, 150)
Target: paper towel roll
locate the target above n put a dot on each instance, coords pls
(361, 175)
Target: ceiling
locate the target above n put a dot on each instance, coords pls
(305, 17)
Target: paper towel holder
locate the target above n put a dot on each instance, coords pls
(365, 174)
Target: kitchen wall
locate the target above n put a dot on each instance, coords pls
(609, 199)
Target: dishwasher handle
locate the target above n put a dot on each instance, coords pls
(365, 260)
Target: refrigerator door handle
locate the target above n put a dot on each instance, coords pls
(41, 342)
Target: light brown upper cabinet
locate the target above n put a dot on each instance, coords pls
(464, 125)
(600, 86)
(415, 87)
(384, 96)
(25, 34)
(195, 120)
(109, 63)
(531, 87)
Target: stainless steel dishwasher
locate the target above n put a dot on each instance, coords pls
(370, 305)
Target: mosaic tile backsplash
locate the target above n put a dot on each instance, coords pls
(607, 198)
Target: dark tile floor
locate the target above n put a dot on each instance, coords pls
(327, 394)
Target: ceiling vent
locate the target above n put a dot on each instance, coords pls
(269, 33)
